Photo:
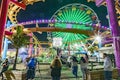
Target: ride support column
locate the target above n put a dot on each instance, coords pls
(30, 50)
(4, 8)
(3, 16)
(115, 31)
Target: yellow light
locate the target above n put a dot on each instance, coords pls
(59, 13)
(26, 31)
(39, 32)
(119, 22)
(51, 24)
(14, 31)
(90, 0)
(73, 8)
(97, 24)
(98, 38)
(88, 12)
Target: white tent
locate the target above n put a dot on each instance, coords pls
(108, 50)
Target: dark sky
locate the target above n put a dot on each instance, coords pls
(44, 10)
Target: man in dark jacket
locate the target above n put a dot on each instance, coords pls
(5, 66)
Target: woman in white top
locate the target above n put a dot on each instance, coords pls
(107, 67)
(83, 66)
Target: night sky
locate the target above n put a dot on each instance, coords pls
(45, 10)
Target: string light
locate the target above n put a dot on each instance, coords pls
(67, 22)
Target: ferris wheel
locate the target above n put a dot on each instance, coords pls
(68, 17)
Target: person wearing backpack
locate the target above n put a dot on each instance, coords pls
(56, 67)
(31, 65)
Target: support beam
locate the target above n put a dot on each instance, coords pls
(70, 30)
(4, 8)
(23, 6)
(115, 31)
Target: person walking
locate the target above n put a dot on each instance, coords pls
(107, 67)
(5, 66)
(31, 66)
(69, 61)
(74, 65)
(83, 67)
(56, 67)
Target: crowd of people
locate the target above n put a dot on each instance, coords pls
(56, 67)
(73, 63)
(30, 64)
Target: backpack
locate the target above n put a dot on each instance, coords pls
(32, 62)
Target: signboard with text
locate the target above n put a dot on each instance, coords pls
(57, 41)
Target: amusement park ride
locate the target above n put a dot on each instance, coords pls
(13, 10)
(117, 7)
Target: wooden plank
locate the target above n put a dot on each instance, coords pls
(99, 74)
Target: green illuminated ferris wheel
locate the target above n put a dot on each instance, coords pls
(76, 16)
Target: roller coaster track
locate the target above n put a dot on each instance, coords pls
(14, 9)
(53, 29)
(40, 42)
(117, 7)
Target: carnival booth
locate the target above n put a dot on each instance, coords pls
(108, 50)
